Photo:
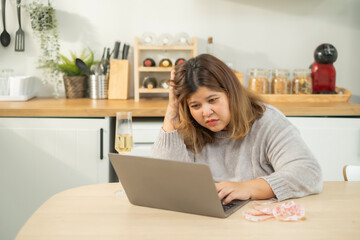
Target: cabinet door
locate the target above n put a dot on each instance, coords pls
(145, 131)
(335, 142)
(43, 156)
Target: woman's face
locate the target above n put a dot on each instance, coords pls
(210, 108)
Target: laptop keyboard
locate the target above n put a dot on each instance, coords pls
(228, 206)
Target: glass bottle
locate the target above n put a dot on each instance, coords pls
(164, 84)
(149, 82)
(302, 83)
(259, 80)
(149, 62)
(165, 63)
(280, 83)
(210, 46)
(179, 60)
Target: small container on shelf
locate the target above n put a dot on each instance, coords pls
(165, 63)
(149, 62)
(280, 83)
(182, 39)
(149, 82)
(166, 39)
(302, 83)
(149, 38)
(259, 80)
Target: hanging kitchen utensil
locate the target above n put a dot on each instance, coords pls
(20, 35)
(107, 61)
(82, 66)
(5, 36)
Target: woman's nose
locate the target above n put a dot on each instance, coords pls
(207, 110)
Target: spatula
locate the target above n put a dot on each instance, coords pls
(20, 35)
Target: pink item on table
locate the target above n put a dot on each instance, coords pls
(287, 211)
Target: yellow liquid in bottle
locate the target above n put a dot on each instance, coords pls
(124, 143)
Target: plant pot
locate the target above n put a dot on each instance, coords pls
(42, 18)
(75, 86)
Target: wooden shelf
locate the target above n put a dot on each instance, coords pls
(153, 90)
(155, 69)
(139, 52)
(342, 96)
(166, 48)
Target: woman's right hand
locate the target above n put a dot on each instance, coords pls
(172, 112)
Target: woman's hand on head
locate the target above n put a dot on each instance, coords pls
(172, 112)
(173, 103)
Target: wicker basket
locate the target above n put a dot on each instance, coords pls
(75, 86)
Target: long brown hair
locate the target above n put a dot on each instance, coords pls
(208, 71)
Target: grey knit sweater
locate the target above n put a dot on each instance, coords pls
(272, 150)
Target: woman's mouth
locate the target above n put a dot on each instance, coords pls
(211, 122)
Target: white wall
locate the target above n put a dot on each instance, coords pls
(247, 33)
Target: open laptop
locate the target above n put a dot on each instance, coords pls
(171, 185)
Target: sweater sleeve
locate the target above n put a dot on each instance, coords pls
(296, 171)
(170, 146)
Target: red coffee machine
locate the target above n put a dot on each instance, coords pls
(323, 73)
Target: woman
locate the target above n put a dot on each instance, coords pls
(253, 151)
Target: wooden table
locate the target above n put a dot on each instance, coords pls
(96, 212)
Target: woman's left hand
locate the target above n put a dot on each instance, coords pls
(254, 189)
(228, 191)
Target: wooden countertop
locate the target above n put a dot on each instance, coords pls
(100, 212)
(85, 107)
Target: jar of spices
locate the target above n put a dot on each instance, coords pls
(280, 83)
(302, 83)
(259, 80)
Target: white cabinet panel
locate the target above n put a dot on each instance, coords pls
(145, 132)
(335, 142)
(43, 156)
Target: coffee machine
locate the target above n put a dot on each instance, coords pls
(323, 72)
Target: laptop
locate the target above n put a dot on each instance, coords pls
(171, 185)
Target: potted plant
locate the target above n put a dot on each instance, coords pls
(74, 78)
(44, 25)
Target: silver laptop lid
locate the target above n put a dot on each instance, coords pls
(171, 185)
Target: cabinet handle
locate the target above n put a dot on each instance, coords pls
(101, 144)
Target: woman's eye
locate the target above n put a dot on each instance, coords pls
(212, 100)
(195, 106)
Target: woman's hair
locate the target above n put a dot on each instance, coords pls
(208, 71)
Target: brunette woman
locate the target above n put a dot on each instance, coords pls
(252, 149)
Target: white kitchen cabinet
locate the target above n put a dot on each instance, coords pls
(43, 156)
(145, 131)
(335, 142)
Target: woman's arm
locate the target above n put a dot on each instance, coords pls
(296, 173)
(172, 112)
(169, 144)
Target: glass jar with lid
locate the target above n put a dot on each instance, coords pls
(302, 83)
(259, 80)
(280, 83)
